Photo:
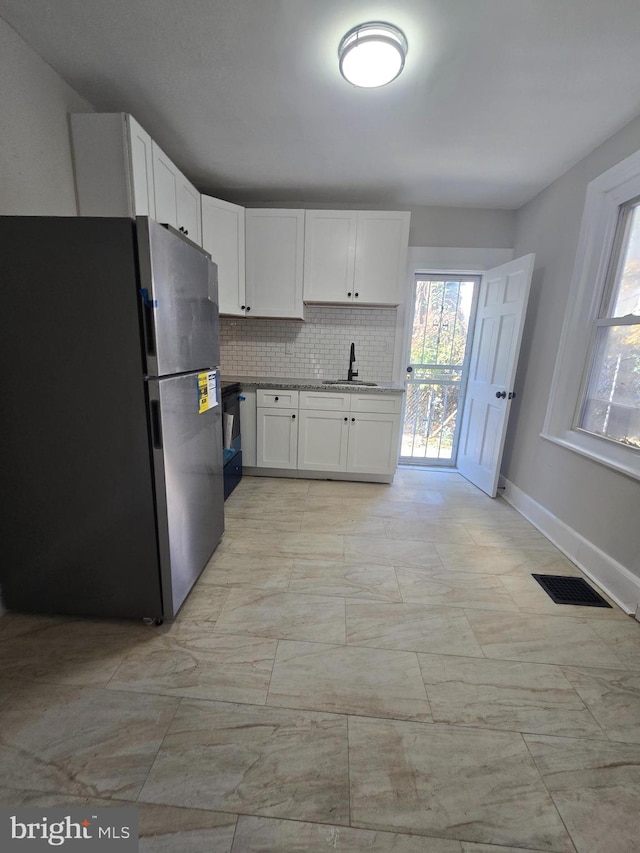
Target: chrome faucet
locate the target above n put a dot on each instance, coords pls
(352, 358)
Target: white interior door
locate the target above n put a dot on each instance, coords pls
(504, 293)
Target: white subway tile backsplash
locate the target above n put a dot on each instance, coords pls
(319, 345)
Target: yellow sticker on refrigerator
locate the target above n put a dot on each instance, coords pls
(207, 391)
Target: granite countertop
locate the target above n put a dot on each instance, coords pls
(312, 384)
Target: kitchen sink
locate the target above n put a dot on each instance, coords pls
(348, 382)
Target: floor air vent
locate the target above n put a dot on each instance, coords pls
(564, 589)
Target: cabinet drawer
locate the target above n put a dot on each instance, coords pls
(385, 404)
(328, 401)
(286, 399)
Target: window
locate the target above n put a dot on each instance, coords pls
(594, 405)
(610, 402)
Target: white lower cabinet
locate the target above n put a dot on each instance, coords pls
(349, 433)
(277, 437)
(323, 440)
(248, 427)
(277, 428)
(373, 443)
(329, 432)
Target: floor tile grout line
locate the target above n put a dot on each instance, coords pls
(235, 831)
(424, 683)
(578, 619)
(546, 787)
(349, 769)
(601, 737)
(179, 702)
(273, 666)
(436, 723)
(527, 610)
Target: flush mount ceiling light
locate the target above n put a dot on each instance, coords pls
(372, 54)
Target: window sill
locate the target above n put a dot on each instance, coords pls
(624, 460)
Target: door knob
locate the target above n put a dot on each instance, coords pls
(409, 369)
(512, 395)
(502, 394)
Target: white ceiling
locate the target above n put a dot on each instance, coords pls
(497, 99)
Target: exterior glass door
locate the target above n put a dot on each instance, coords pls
(443, 313)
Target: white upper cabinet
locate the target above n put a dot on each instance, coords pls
(120, 171)
(166, 187)
(140, 145)
(189, 210)
(177, 200)
(329, 255)
(113, 165)
(223, 238)
(381, 256)
(274, 262)
(355, 256)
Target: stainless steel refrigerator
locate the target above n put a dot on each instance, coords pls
(111, 481)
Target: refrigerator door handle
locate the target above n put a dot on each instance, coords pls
(147, 318)
(156, 425)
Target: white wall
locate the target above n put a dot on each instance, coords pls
(36, 172)
(598, 504)
(472, 228)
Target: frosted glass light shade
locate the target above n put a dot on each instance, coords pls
(372, 54)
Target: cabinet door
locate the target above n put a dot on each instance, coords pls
(381, 256)
(277, 438)
(165, 179)
(274, 253)
(223, 238)
(373, 443)
(140, 148)
(329, 255)
(189, 213)
(322, 440)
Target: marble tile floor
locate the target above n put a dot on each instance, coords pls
(360, 667)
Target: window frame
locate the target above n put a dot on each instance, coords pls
(589, 299)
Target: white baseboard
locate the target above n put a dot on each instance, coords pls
(621, 585)
(303, 474)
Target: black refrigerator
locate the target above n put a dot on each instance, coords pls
(111, 481)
